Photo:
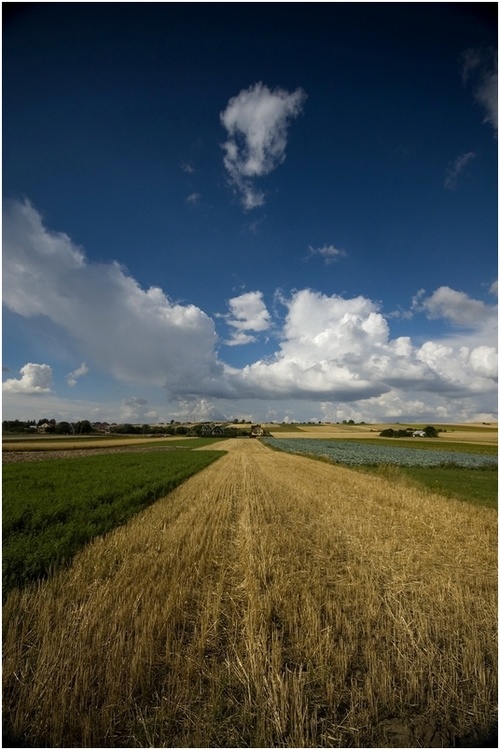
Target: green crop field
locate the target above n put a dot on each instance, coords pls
(51, 509)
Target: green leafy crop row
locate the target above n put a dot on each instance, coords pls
(53, 508)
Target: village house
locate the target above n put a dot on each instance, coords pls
(210, 429)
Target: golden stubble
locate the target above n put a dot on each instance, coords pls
(271, 600)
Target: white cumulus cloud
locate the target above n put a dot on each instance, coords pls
(256, 121)
(337, 349)
(35, 379)
(456, 307)
(134, 334)
(248, 312)
(332, 350)
(325, 342)
(483, 360)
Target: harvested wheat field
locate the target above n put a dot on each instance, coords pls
(270, 601)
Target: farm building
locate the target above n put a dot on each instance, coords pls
(209, 429)
(256, 431)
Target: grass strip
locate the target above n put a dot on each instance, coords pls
(51, 509)
(429, 445)
(476, 486)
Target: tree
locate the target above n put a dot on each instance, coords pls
(389, 432)
(430, 431)
(82, 428)
(127, 428)
(63, 428)
(14, 425)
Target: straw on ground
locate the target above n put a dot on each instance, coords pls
(270, 601)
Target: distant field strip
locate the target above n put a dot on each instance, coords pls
(95, 443)
(451, 433)
(353, 453)
(269, 601)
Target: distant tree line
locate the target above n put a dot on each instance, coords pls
(84, 427)
(16, 426)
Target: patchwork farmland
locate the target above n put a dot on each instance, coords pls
(268, 601)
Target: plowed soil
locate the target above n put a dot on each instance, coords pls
(19, 456)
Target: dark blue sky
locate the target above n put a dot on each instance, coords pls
(377, 183)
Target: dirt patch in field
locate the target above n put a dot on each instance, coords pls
(9, 457)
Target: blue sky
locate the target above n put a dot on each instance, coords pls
(268, 211)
